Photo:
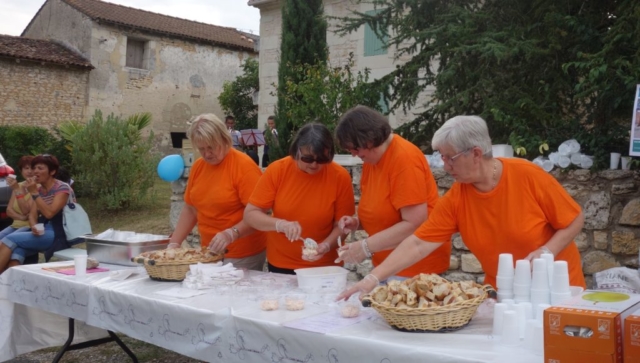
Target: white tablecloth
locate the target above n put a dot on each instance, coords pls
(222, 325)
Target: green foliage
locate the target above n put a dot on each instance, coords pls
(113, 162)
(304, 41)
(18, 141)
(323, 93)
(137, 121)
(537, 70)
(237, 97)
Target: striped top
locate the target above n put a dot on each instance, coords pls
(57, 188)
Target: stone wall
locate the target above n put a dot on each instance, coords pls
(610, 201)
(34, 94)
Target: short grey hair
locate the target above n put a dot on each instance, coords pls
(463, 133)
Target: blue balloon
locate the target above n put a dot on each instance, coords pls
(170, 168)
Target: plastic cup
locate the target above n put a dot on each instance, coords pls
(538, 339)
(505, 265)
(528, 333)
(522, 273)
(510, 330)
(11, 176)
(564, 149)
(615, 160)
(498, 312)
(563, 161)
(510, 303)
(587, 162)
(522, 319)
(39, 228)
(528, 310)
(574, 145)
(576, 159)
(625, 162)
(576, 290)
(504, 296)
(539, 311)
(540, 297)
(549, 258)
(554, 157)
(80, 262)
(559, 298)
(547, 165)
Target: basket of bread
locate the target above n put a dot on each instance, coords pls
(427, 303)
(173, 264)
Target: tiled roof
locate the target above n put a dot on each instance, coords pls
(146, 20)
(41, 51)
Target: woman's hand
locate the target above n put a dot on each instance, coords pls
(173, 245)
(322, 249)
(363, 287)
(348, 224)
(353, 253)
(31, 185)
(13, 184)
(34, 231)
(292, 230)
(221, 240)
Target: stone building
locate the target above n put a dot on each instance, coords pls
(42, 82)
(146, 62)
(366, 47)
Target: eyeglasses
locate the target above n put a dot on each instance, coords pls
(451, 160)
(308, 159)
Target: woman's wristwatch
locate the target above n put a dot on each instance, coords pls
(35, 196)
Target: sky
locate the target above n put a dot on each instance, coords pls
(16, 14)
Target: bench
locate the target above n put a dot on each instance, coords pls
(69, 253)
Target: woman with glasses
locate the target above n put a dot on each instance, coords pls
(307, 193)
(398, 191)
(499, 205)
(49, 196)
(220, 184)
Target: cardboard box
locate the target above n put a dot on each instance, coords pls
(595, 319)
(632, 337)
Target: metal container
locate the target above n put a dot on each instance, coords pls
(121, 252)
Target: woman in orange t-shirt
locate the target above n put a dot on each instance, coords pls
(220, 184)
(497, 205)
(398, 191)
(307, 193)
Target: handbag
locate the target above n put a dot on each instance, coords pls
(75, 220)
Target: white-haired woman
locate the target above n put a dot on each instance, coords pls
(220, 184)
(498, 205)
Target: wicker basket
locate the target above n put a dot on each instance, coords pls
(171, 270)
(434, 319)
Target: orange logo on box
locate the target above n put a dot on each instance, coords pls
(604, 327)
(554, 321)
(635, 332)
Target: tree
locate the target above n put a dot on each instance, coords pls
(325, 93)
(237, 97)
(304, 41)
(537, 70)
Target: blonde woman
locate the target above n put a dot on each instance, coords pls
(220, 184)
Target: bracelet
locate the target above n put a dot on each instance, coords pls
(546, 249)
(365, 247)
(373, 277)
(236, 230)
(229, 233)
(19, 196)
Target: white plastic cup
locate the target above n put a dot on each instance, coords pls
(510, 330)
(615, 160)
(522, 319)
(625, 162)
(576, 159)
(574, 145)
(587, 162)
(539, 311)
(540, 297)
(540, 277)
(11, 176)
(528, 310)
(559, 298)
(554, 157)
(564, 149)
(39, 228)
(80, 262)
(522, 273)
(560, 278)
(549, 258)
(504, 283)
(547, 165)
(528, 333)
(576, 290)
(504, 296)
(564, 161)
(538, 339)
(498, 312)
(505, 265)
(510, 303)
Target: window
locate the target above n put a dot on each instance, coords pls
(135, 53)
(373, 45)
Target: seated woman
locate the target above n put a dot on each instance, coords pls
(307, 193)
(20, 201)
(499, 205)
(219, 187)
(49, 197)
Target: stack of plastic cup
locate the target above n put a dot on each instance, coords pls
(498, 314)
(521, 314)
(560, 290)
(549, 258)
(539, 283)
(522, 281)
(528, 333)
(510, 330)
(504, 279)
(539, 311)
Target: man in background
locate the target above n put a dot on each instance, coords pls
(271, 126)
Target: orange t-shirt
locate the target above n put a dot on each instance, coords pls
(520, 215)
(219, 193)
(401, 178)
(315, 201)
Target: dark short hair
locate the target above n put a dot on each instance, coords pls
(362, 127)
(229, 117)
(316, 137)
(24, 161)
(49, 160)
(272, 117)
